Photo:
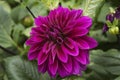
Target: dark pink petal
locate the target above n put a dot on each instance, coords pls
(76, 67)
(51, 59)
(53, 67)
(62, 56)
(54, 52)
(91, 42)
(42, 57)
(83, 44)
(46, 47)
(43, 67)
(62, 72)
(74, 51)
(83, 22)
(33, 53)
(77, 33)
(83, 57)
(41, 20)
(69, 43)
(68, 65)
(76, 13)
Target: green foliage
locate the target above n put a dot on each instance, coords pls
(6, 24)
(90, 7)
(104, 64)
(24, 70)
(15, 26)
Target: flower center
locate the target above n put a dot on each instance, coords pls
(55, 34)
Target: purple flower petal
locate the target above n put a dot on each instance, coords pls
(53, 67)
(83, 57)
(90, 41)
(68, 65)
(42, 57)
(62, 56)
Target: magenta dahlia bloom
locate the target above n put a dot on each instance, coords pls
(59, 42)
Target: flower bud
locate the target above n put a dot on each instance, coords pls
(28, 21)
(114, 30)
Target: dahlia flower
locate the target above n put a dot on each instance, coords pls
(59, 42)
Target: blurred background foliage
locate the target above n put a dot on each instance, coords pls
(16, 23)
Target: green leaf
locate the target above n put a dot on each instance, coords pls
(91, 6)
(104, 65)
(39, 9)
(5, 6)
(109, 62)
(26, 32)
(98, 35)
(18, 68)
(17, 32)
(118, 78)
(6, 24)
(18, 13)
(104, 11)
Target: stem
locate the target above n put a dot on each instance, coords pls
(60, 4)
(29, 10)
(6, 50)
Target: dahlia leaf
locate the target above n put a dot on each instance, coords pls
(6, 24)
(91, 6)
(26, 32)
(17, 32)
(5, 6)
(18, 68)
(105, 64)
(18, 13)
(118, 78)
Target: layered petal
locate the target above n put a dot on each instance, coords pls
(62, 56)
(53, 67)
(42, 57)
(67, 49)
(68, 66)
(83, 57)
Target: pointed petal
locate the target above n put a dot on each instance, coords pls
(41, 20)
(46, 47)
(42, 57)
(83, 57)
(43, 67)
(54, 52)
(91, 42)
(76, 68)
(74, 51)
(33, 52)
(68, 65)
(76, 13)
(62, 56)
(82, 44)
(84, 22)
(53, 67)
(62, 72)
(77, 33)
